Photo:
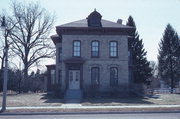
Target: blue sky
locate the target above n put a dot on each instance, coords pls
(151, 16)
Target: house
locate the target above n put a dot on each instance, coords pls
(91, 57)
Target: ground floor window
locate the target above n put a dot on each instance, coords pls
(59, 76)
(95, 77)
(113, 76)
(53, 79)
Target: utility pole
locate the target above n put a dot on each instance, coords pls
(3, 25)
(5, 69)
(5, 77)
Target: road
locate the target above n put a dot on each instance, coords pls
(97, 116)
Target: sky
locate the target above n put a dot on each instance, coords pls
(150, 16)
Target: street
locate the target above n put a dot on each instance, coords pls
(97, 116)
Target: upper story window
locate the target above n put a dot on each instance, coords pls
(77, 48)
(60, 54)
(113, 49)
(94, 49)
(113, 76)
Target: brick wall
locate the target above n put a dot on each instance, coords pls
(104, 62)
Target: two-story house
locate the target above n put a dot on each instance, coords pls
(91, 57)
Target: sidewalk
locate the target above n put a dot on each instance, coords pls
(79, 109)
(79, 106)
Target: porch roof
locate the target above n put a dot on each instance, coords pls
(79, 60)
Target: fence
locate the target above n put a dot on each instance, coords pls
(166, 90)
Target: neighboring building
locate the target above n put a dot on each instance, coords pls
(91, 57)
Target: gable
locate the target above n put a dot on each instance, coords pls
(94, 19)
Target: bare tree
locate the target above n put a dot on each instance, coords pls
(30, 35)
(7, 26)
(2, 56)
(2, 45)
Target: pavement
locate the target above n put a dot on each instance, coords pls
(75, 108)
(79, 106)
(97, 116)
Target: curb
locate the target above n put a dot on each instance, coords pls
(74, 106)
(93, 112)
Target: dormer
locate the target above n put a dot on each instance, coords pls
(94, 19)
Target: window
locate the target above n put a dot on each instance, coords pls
(77, 48)
(53, 77)
(77, 75)
(95, 77)
(113, 49)
(60, 55)
(71, 76)
(94, 19)
(95, 49)
(113, 76)
(59, 76)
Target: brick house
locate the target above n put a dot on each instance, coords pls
(91, 57)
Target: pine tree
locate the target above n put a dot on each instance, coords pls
(169, 57)
(141, 67)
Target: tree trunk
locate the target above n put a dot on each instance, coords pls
(26, 81)
(1, 79)
(172, 75)
(1, 73)
(26, 88)
(25, 72)
(19, 85)
(25, 76)
(2, 62)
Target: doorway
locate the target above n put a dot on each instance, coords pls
(74, 79)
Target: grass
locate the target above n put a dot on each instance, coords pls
(31, 99)
(44, 99)
(161, 99)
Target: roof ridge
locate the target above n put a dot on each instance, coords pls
(83, 23)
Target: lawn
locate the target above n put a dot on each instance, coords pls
(43, 99)
(31, 99)
(160, 99)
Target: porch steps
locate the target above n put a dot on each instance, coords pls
(73, 96)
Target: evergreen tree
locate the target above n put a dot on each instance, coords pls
(169, 57)
(141, 67)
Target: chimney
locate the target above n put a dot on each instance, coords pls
(119, 21)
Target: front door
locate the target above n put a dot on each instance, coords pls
(74, 79)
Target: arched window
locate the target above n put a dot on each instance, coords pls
(53, 77)
(113, 49)
(94, 49)
(60, 54)
(113, 76)
(59, 77)
(95, 77)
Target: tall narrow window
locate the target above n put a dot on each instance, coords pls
(77, 48)
(113, 76)
(59, 77)
(95, 49)
(60, 55)
(53, 79)
(113, 49)
(95, 77)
